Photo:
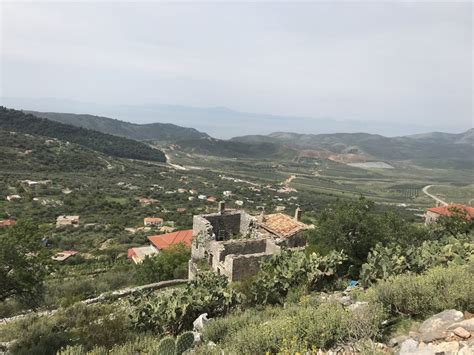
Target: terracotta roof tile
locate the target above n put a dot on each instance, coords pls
(282, 224)
(164, 241)
(448, 210)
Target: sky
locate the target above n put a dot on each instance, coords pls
(401, 62)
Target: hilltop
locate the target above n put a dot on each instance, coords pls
(165, 132)
(235, 149)
(425, 149)
(18, 121)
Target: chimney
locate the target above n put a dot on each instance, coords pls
(298, 214)
(221, 207)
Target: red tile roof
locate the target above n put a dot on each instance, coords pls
(282, 224)
(468, 211)
(153, 219)
(7, 223)
(164, 241)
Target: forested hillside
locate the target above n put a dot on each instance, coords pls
(18, 121)
(427, 149)
(163, 132)
(231, 149)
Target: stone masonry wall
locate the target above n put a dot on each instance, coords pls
(242, 246)
(224, 225)
(239, 267)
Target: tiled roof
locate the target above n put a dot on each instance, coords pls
(153, 219)
(164, 241)
(63, 255)
(7, 223)
(448, 210)
(139, 253)
(282, 224)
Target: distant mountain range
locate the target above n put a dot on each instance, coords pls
(435, 149)
(236, 149)
(20, 122)
(427, 149)
(220, 122)
(164, 132)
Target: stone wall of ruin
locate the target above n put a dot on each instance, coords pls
(240, 267)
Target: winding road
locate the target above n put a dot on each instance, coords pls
(436, 198)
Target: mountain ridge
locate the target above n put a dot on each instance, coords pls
(167, 132)
(18, 121)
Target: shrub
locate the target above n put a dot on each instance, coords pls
(218, 329)
(384, 261)
(293, 269)
(89, 326)
(38, 335)
(295, 328)
(422, 295)
(171, 263)
(175, 311)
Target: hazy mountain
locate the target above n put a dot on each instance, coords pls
(153, 131)
(218, 122)
(18, 121)
(235, 149)
(428, 149)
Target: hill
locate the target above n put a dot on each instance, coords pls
(235, 149)
(163, 132)
(427, 149)
(22, 152)
(18, 121)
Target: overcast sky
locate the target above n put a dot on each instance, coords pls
(400, 62)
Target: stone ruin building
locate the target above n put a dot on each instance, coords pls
(233, 243)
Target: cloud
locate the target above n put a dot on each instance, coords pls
(408, 62)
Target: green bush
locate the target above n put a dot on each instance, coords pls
(38, 335)
(290, 270)
(139, 345)
(217, 330)
(175, 311)
(171, 263)
(294, 327)
(89, 326)
(438, 289)
(394, 259)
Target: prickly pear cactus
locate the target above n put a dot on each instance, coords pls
(167, 346)
(184, 342)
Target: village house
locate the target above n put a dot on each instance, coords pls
(202, 197)
(167, 229)
(152, 222)
(64, 255)
(181, 209)
(7, 223)
(62, 221)
(146, 201)
(36, 184)
(432, 214)
(234, 243)
(13, 197)
(138, 254)
(227, 193)
(159, 243)
(164, 241)
(211, 199)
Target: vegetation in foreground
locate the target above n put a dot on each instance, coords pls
(285, 302)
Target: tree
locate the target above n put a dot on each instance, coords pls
(171, 263)
(355, 227)
(459, 222)
(23, 263)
